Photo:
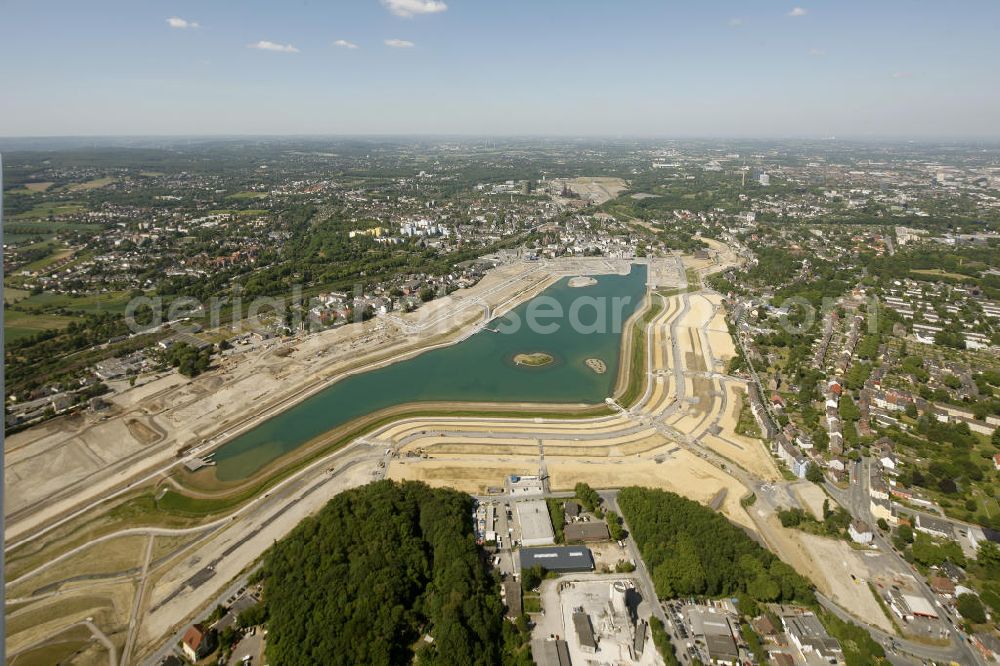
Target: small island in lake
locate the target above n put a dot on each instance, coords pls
(582, 281)
(535, 360)
(597, 365)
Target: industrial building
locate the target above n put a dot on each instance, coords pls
(536, 526)
(525, 486)
(714, 627)
(584, 632)
(809, 636)
(550, 652)
(602, 624)
(909, 606)
(561, 559)
(586, 532)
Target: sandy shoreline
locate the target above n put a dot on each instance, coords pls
(98, 453)
(469, 446)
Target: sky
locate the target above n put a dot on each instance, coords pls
(910, 69)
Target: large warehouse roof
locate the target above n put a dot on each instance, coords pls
(536, 526)
(558, 558)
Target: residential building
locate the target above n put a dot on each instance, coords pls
(197, 642)
(936, 527)
(860, 532)
(943, 586)
(586, 532)
(882, 508)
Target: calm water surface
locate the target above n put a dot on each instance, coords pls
(478, 369)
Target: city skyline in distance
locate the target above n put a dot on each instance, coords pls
(897, 70)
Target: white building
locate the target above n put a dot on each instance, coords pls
(860, 532)
(525, 486)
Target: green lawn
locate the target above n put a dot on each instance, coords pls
(15, 238)
(92, 184)
(51, 209)
(248, 195)
(58, 254)
(19, 324)
(14, 295)
(637, 364)
(114, 301)
(937, 272)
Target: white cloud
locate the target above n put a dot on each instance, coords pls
(901, 75)
(408, 8)
(181, 24)
(817, 53)
(735, 22)
(265, 45)
(399, 43)
(798, 11)
(344, 44)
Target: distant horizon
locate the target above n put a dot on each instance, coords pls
(898, 69)
(486, 137)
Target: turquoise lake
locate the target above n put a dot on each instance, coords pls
(478, 369)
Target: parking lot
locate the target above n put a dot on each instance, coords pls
(251, 646)
(504, 524)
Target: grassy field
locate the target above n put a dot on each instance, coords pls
(676, 291)
(747, 425)
(37, 187)
(58, 254)
(16, 238)
(91, 184)
(14, 295)
(937, 272)
(637, 362)
(105, 559)
(59, 650)
(248, 195)
(45, 228)
(18, 324)
(114, 301)
(51, 209)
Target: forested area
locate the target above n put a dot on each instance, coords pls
(941, 264)
(376, 569)
(692, 550)
(189, 361)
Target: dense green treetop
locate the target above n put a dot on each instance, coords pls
(377, 568)
(692, 550)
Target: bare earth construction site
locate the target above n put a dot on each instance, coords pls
(111, 534)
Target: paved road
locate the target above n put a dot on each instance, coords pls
(856, 500)
(134, 620)
(21, 521)
(960, 653)
(170, 646)
(610, 498)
